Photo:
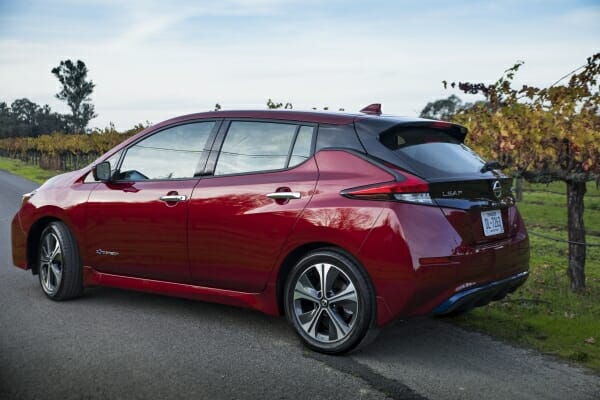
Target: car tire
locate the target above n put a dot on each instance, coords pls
(59, 265)
(335, 320)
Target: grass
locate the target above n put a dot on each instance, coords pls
(544, 207)
(24, 170)
(543, 313)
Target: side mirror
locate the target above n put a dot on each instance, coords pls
(101, 171)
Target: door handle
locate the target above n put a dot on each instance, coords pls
(284, 195)
(173, 198)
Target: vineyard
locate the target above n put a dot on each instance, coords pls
(60, 151)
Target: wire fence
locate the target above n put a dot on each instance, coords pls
(553, 192)
(563, 240)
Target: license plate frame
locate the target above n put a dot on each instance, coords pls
(492, 222)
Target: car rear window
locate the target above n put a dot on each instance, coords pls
(431, 153)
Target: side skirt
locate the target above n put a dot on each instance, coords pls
(265, 302)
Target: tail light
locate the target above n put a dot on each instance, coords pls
(410, 190)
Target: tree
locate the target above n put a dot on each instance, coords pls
(6, 120)
(24, 121)
(289, 106)
(544, 134)
(25, 118)
(76, 91)
(446, 109)
(272, 105)
(443, 109)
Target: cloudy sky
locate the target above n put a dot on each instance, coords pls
(152, 60)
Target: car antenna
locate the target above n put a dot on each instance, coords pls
(372, 109)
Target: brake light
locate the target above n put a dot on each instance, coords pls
(411, 190)
(441, 124)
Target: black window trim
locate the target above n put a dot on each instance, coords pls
(292, 145)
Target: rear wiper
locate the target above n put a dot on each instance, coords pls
(489, 166)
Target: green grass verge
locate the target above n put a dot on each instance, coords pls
(24, 170)
(543, 313)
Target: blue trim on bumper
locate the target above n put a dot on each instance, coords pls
(469, 297)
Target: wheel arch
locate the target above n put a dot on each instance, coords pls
(33, 240)
(298, 253)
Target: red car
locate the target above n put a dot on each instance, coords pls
(342, 222)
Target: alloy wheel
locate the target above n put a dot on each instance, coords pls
(325, 303)
(51, 264)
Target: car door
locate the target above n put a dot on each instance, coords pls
(137, 223)
(245, 207)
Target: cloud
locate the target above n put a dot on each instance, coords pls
(158, 60)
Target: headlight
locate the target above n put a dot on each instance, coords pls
(26, 197)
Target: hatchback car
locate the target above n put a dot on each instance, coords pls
(342, 222)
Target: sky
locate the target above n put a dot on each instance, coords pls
(153, 60)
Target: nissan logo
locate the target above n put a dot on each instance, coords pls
(497, 189)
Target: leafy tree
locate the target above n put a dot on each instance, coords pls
(6, 120)
(446, 109)
(544, 134)
(24, 110)
(272, 105)
(76, 91)
(26, 118)
(443, 109)
(49, 121)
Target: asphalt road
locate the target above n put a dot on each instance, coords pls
(114, 344)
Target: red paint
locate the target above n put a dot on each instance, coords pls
(373, 109)
(227, 242)
(236, 232)
(248, 300)
(149, 234)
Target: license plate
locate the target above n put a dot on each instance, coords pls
(492, 222)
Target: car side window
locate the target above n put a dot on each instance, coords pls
(302, 146)
(172, 153)
(259, 146)
(343, 136)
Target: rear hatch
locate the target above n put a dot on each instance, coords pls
(478, 209)
(475, 198)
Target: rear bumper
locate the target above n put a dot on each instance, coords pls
(418, 262)
(481, 295)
